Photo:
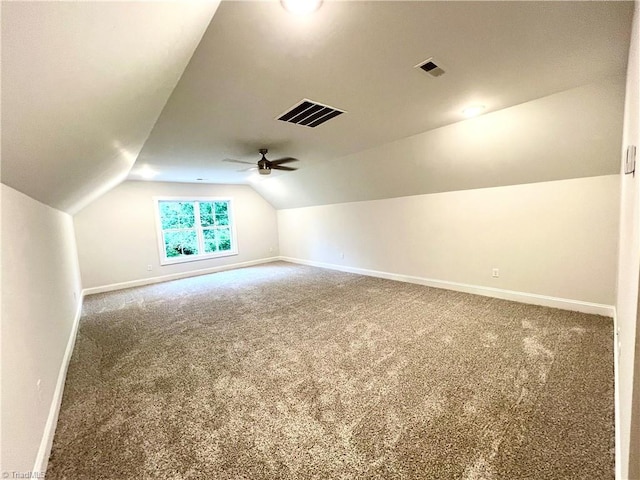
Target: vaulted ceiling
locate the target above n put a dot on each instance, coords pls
(90, 88)
(83, 84)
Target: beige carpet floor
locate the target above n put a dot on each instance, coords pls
(284, 371)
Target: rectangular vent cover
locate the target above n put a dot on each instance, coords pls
(309, 113)
(431, 67)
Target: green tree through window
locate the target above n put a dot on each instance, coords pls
(190, 229)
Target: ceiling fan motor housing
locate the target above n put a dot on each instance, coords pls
(263, 167)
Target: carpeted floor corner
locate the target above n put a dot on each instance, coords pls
(284, 371)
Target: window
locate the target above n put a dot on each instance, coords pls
(194, 229)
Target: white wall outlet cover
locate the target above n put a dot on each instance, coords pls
(630, 160)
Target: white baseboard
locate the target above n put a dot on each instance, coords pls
(50, 427)
(175, 276)
(522, 297)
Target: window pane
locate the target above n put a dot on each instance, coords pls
(222, 213)
(186, 236)
(210, 240)
(186, 221)
(177, 215)
(180, 243)
(224, 239)
(169, 215)
(206, 208)
(206, 220)
(206, 214)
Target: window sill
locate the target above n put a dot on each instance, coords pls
(196, 258)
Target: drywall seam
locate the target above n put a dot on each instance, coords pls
(522, 297)
(50, 427)
(174, 276)
(616, 399)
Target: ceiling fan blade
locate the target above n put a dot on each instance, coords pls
(278, 167)
(237, 161)
(283, 160)
(247, 169)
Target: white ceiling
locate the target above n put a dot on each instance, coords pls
(82, 85)
(256, 60)
(85, 84)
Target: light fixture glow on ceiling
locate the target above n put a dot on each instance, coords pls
(473, 110)
(301, 7)
(255, 177)
(146, 172)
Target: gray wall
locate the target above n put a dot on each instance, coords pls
(40, 300)
(557, 239)
(117, 238)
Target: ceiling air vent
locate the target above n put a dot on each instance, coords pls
(431, 67)
(309, 113)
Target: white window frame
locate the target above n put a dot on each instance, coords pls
(164, 260)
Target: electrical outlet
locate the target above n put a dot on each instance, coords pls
(149, 268)
(495, 273)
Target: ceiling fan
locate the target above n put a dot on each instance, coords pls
(265, 166)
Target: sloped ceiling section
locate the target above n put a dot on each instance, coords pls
(82, 85)
(571, 134)
(256, 61)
